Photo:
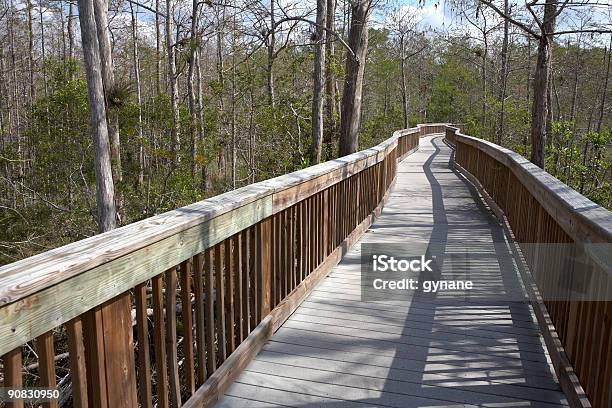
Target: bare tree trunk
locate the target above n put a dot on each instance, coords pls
(317, 89)
(31, 53)
(485, 55)
(503, 80)
(157, 50)
(193, 125)
(602, 106)
(271, 56)
(541, 84)
(233, 101)
(539, 109)
(330, 80)
(108, 81)
(70, 30)
(575, 87)
(135, 56)
(222, 165)
(353, 81)
(403, 76)
(201, 120)
(15, 129)
(63, 25)
(97, 111)
(172, 78)
(43, 50)
(549, 104)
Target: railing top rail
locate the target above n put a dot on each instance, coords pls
(584, 220)
(31, 275)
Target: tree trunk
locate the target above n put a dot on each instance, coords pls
(317, 89)
(271, 56)
(222, 165)
(539, 107)
(43, 50)
(157, 50)
(541, 84)
(234, 141)
(575, 87)
(70, 31)
(503, 80)
(403, 76)
(135, 56)
(97, 114)
(201, 121)
(353, 80)
(31, 53)
(485, 54)
(331, 91)
(108, 82)
(549, 105)
(172, 79)
(193, 125)
(602, 106)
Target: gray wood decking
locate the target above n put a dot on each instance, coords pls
(337, 351)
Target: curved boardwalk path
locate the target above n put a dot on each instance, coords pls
(336, 351)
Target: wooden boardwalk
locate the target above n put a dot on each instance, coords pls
(337, 351)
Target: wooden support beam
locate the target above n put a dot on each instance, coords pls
(264, 254)
(78, 372)
(144, 355)
(12, 362)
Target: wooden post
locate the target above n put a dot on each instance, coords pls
(12, 374)
(78, 373)
(46, 354)
(109, 354)
(264, 253)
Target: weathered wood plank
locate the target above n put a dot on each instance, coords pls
(230, 306)
(46, 364)
(144, 355)
(220, 320)
(171, 343)
(186, 313)
(12, 362)
(159, 330)
(253, 278)
(264, 252)
(209, 312)
(30, 275)
(200, 319)
(246, 279)
(95, 358)
(119, 352)
(47, 309)
(239, 298)
(78, 374)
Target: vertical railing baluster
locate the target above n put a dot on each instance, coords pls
(186, 314)
(200, 316)
(209, 311)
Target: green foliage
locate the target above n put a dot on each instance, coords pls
(449, 100)
(581, 161)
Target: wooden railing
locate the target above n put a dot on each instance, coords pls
(170, 309)
(537, 208)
